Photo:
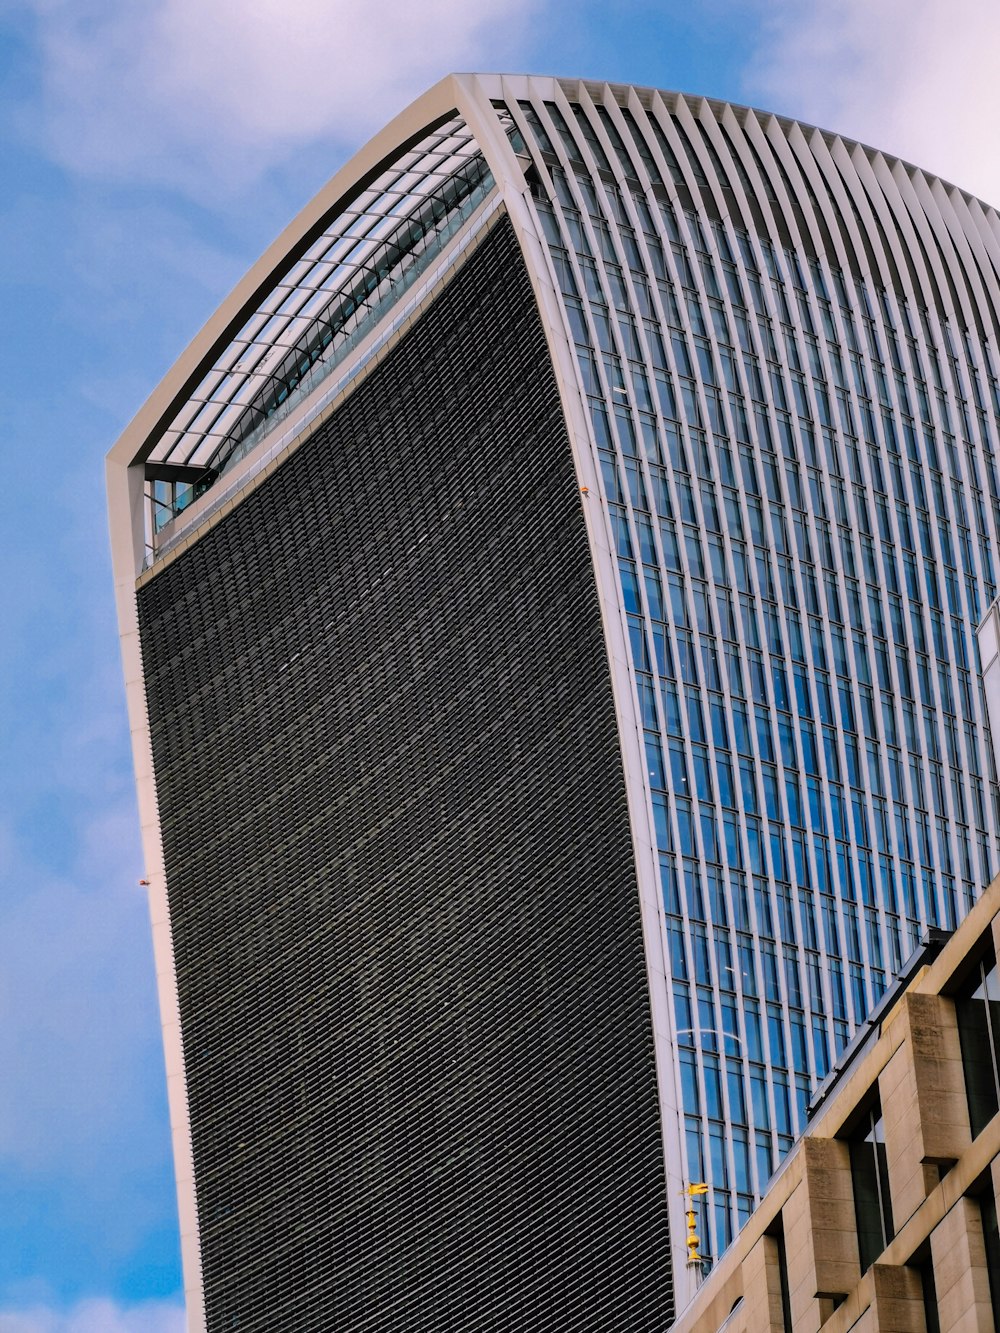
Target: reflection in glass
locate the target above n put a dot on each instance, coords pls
(978, 1010)
(870, 1179)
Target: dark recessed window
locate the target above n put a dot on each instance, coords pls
(778, 1234)
(923, 1264)
(978, 1010)
(870, 1179)
(991, 1240)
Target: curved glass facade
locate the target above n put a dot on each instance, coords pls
(793, 391)
(772, 364)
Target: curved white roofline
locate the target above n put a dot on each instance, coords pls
(452, 93)
(818, 158)
(134, 442)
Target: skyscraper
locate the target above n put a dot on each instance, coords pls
(548, 591)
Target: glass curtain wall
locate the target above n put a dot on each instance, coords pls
(799, 466)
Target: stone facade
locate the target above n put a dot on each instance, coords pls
(797, 1264)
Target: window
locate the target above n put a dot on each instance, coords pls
(978, 1010)
(870, 1179)
(923, 1263)
(778, 1235)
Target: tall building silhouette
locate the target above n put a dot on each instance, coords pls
(548, 591)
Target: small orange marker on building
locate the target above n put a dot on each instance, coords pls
(692, 1239)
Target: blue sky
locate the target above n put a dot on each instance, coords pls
(150, 151)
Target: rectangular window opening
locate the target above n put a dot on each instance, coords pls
(870, 1180)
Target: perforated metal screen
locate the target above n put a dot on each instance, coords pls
(404, 906)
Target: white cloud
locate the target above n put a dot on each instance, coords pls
(175, 89)
(917, 78)
(96, 1316)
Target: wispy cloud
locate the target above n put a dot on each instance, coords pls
(917, 78)
(181, 126)
(171, 90)
(96, 1316)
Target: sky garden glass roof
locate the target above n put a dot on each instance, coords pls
(369, 254)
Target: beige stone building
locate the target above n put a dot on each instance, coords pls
(884, 1216)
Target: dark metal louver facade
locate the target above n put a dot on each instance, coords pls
(410, 962)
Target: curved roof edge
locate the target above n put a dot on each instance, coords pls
(719, 104)
(136, 439)
(452, 93)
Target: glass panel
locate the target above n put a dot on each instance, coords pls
(870, 1179)
(319, 310)
(978, 1011)
(808, 545)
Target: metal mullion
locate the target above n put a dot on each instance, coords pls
(659, 111)
(973, 212)
(939, 424)
(938, 870)
(618, 173)
(203, 394)
(641, 332)
(532, 145)
(208, 429)
(699, 289)
(296, 299)
(694, 121)
(359, 223)
(780, 145)
(588, 105)
(565, 165)
(908, 376)
(743, 1059)
(954, 244)
(867, 630)
(599, 261)
(713, 986)
(614, 110)
(642, 115)
(866, 355)
(581, 286)
(888, 287)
